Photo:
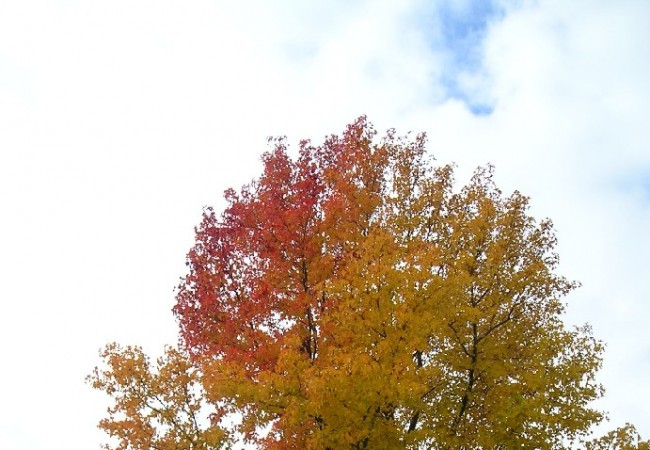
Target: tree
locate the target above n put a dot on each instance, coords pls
(351, 298)
(160, 409)
(623, 438)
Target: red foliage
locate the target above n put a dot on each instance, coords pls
(257, 271)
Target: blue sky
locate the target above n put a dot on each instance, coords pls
(120, 120)
(459, 30)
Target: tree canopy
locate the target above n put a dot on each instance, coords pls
(351, 297)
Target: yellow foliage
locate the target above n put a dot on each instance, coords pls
(161, 408)
(353, 299)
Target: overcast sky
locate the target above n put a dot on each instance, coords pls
(120, 119)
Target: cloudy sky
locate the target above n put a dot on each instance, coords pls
(120, 119)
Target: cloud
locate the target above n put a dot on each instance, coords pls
(120, 120)
(569, 128)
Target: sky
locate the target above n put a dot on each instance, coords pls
(120, 120)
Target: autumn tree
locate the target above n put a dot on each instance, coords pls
(623, 438)
(350, 297)
(156, 408)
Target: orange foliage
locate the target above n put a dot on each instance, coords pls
(351, 298)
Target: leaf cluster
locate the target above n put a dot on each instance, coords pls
(159, 407)
(351, 297)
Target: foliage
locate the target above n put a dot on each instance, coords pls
(159, 409)
(623, 438)
(351, 298)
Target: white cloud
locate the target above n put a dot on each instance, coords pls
(570, 128)
(119, 120)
